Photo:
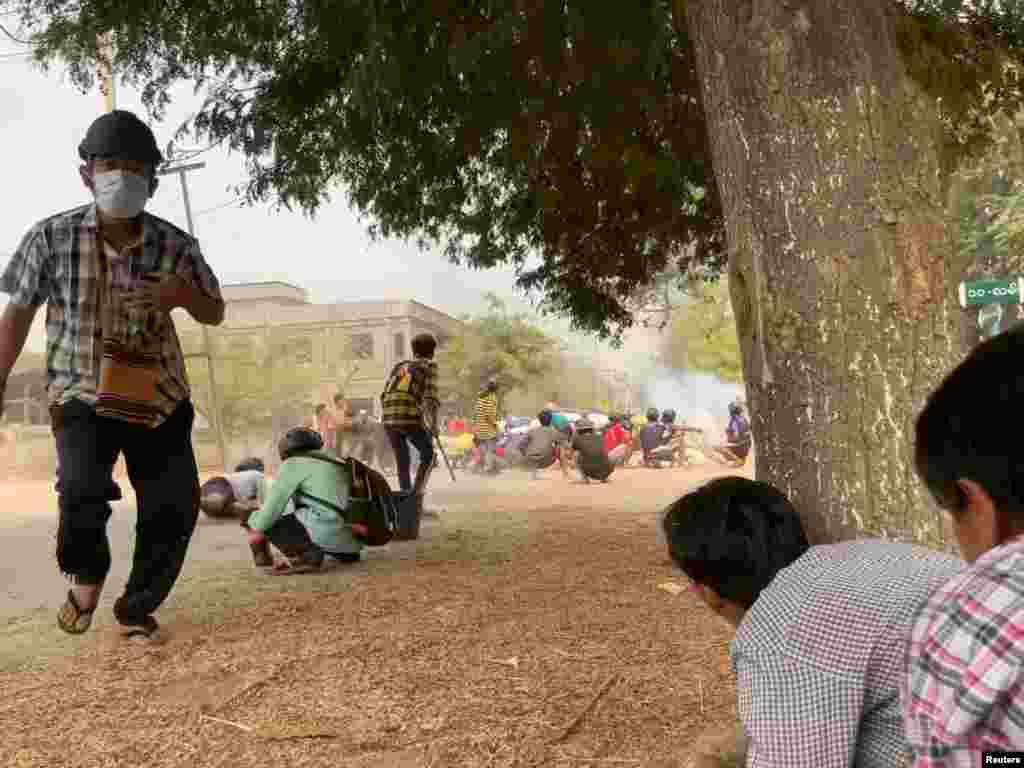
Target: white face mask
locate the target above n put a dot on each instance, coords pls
(120, 194)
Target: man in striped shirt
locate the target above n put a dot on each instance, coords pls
(410, 405)
(487, 425)
(964, 687)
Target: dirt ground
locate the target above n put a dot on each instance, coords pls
(525, 628)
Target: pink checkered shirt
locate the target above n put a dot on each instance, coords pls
(819, 656)
(964, 688)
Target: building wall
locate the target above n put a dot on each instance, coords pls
(326, 328)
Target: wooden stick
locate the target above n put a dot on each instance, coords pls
(239, 726)
(567, 731)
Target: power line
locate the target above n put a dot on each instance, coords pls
(15, 39)
(238, 199)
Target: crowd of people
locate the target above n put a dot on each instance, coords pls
(864, 653)
(595, 453)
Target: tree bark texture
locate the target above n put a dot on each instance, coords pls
(843, 260)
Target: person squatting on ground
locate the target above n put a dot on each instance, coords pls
(110, 274)
(675, 437)
(617, 442)
(963, 690)
(539, 449)
(820, 632)
(303, 514)
(486, 414)
(410, 402)
(590, 458)
(738, 440)
(236, 495)
(652, 440)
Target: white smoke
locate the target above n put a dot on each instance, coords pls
(700, 399)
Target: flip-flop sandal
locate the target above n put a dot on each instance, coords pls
(72, 618)
(147, 630)
(285, 568)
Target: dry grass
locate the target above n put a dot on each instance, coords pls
(522, 630)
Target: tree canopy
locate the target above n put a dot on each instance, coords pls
(571, 131)
(499, 344)
(702, 335)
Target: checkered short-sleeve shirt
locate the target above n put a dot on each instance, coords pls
(964, 688)
(819, 655)
(58, 263)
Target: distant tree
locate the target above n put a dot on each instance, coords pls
(497, 343)
(702, 335)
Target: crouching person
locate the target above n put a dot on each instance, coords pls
(539, 450)
(303, 514)
(236, 495)
(591, 459)
(820, 631)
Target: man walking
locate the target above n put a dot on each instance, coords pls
(110, 274)
(410, 404)
(487, 425)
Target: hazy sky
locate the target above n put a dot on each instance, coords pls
(44, 117)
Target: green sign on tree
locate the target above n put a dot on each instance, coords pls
(1007, 290)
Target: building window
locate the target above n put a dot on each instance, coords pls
(359, 347)
(399, 345)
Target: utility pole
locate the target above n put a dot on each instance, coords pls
(105, 45)
(207, 352)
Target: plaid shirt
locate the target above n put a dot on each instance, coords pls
(819, 655)
(964, 689)
(58, 264)
(408, 403)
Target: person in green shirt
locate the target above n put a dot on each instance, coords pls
(303, 514)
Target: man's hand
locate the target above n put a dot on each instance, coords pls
(162, 294)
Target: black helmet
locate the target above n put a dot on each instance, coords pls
(250, 464)
(669, 416)
(652, 414)
(120, 134)
(299, 440)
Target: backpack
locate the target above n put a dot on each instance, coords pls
(372, 510)
(408, 376)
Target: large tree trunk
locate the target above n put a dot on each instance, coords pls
(843, 265)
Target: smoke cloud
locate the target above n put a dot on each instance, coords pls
(701, 399)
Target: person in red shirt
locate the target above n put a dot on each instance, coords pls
(616, 442)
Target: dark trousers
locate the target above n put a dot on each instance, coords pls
(163, 472)
(400, 440)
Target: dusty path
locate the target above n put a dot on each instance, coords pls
(476, 646)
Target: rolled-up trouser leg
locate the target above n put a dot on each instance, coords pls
(87, 448)
(423, 443)
(163, 471)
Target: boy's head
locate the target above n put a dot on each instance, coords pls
(339, 400)
(216, 497)
(968, 445)
(424, 345)
(731, 537)
(320, 409)
(544, 417)
(652, 415)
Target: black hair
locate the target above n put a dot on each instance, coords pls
(320, 409)
(970, 428)
(339, 397)
(734, 535)
(423, 345)
(253, 463)
(544, 417)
